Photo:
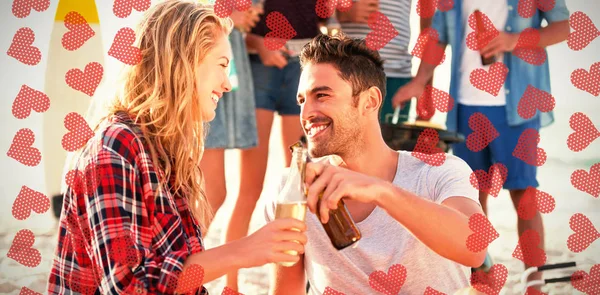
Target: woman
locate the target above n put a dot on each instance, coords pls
(276, 74)
(234, 126)
(134, 210)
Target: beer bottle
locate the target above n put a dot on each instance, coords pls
(291, 201)
(480, 27)
(341, 228)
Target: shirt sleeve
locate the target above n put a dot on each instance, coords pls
(452, 179)
(558, 13)
(130, 243)
(439, 24)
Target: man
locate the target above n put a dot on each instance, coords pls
(500, 109)
(397, 60)
(409, 213)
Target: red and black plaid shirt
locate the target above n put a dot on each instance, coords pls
(120, 232)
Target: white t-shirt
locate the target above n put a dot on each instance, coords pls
(497, 12)
(385, 242)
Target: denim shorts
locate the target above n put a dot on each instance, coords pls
(500, 150)
(234, 125)
(276, 89)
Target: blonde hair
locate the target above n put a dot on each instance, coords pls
(161, 93)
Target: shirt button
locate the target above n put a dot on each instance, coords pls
(507, 91)
(510, 7)
(508, 28)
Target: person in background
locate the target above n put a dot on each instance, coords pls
(133, 223)
(397, 60)
(500, 109)
(234, 126)
(276, 74)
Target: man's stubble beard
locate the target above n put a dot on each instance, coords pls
(344, 143)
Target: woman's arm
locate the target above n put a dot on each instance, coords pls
(262, 247)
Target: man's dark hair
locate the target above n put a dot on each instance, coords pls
(357, 64)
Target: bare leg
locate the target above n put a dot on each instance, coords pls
(253, 168)
(535, 223)
(213, 168)
(291, 131)
(483, 200)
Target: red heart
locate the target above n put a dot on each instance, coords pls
(123, 8)
(85, 81)
(585, 233)
(122, 50)
(528, 8)
(390, 283)
(588, 284)
(27, 291)
(432, 291)
(191, 279)
(22, 8)
(79, 31)
(527, 249)
(383, 31)
(490, 283)
(489, 81)
(483, 133)
(331, 291)
(28, 200)
(21, 47)
(86, 181)
(483, 234)
(534, 200)
(123, 250)
(79, 132)
(21, 251)
(229, 291)
(490, 182)
(224, 8)
(587, 182)
(587, 81)
(585, 132)
(28, 99)
(426, 8)
(281, 31)
(427, 150)
(534, 99)
(527, 150)
(428, 49)
(326, 8)
(481, 36)
(527, 47)
(583, 33)
(532, 291)
(21, 148)
(432, 99)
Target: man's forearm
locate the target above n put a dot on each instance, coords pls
(255, 42)
(425, 72)
(554, 33)
(441, 228)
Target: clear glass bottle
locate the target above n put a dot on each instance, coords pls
(291, 201)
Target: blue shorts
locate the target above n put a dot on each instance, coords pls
(500, 150)
(276, 89)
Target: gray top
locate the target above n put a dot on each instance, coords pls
(385, 242)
